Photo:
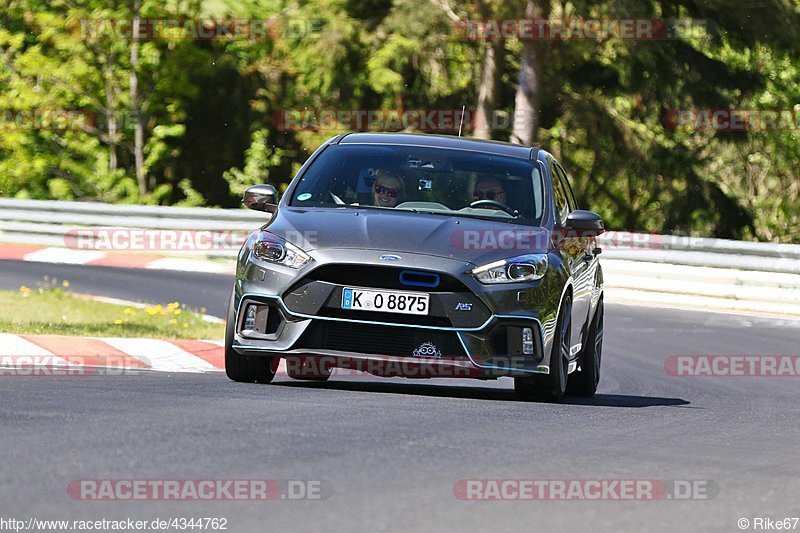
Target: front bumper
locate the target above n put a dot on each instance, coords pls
(305, 320)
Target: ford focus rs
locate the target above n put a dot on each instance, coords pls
(422, 256)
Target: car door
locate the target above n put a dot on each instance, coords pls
(576, 251)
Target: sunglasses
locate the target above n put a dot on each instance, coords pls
(489, 195)
(391, 193)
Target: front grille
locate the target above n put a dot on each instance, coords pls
(382, 277)
(377, 340)
(388, 341)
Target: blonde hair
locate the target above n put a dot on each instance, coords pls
(383, 173)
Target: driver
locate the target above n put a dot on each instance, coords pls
(489, 188)
(386, 189)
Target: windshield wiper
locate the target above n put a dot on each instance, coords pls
(451, 213)
(463, 215)
(426, 211)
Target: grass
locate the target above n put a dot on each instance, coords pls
(53, 310)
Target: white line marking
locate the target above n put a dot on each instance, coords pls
(15, 350)
(64, 255)
(161, 355)
(189, 265)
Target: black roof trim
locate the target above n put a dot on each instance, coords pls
(441, 141)
(338, 138)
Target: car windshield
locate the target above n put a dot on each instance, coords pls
(425, 180)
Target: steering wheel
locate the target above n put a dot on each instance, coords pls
(494, 204)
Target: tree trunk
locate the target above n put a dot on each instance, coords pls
(487, 91)
(111, 124)
(526, 101)
(138, 139)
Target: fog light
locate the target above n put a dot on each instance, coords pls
(250, 318)
(527, 341)
(255, 323)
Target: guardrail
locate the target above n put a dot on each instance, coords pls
(138, 216)
(48, 223)
(701, 251)
(764, 274)
(691, 271)
(623, 240)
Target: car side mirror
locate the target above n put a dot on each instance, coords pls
(261, 198)
(584, 223)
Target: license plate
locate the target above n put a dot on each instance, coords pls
(409, 303)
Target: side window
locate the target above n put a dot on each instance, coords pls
(560, 194)
(538, 192)
(562, 174)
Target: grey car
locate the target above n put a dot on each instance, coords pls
(421, 256)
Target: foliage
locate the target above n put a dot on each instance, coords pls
(209, 106)
(260, 159)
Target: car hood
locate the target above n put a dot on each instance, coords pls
(473, 240)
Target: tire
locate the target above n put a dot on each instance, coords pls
(244, 368)
(551, 387)
(308, 369)
(584, 382)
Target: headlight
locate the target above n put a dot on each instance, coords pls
(523, 268)
(272, 248)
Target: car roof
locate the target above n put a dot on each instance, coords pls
(440, 141)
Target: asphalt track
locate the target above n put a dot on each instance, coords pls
(388, 452)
